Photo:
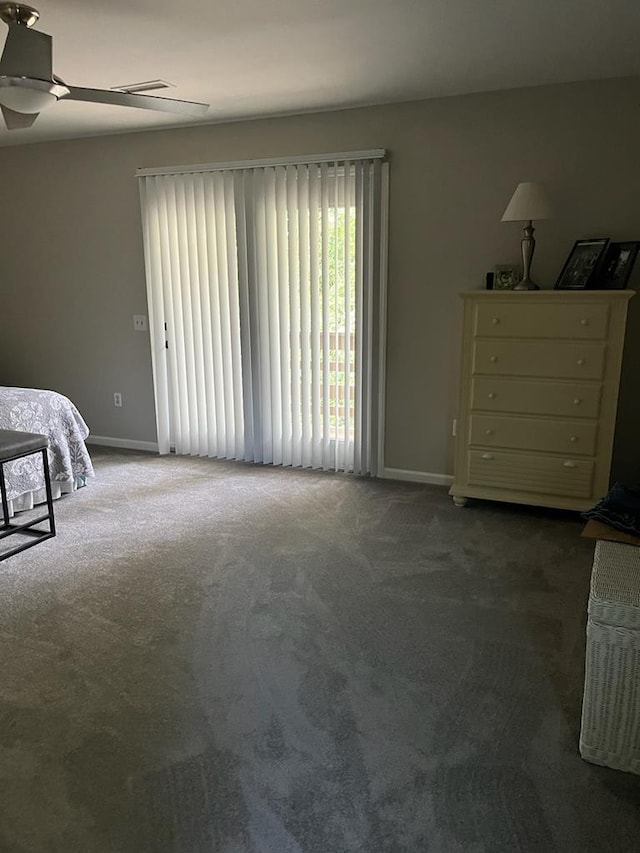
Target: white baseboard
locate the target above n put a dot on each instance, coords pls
(385, 474)
(125, 443)
(416, 476)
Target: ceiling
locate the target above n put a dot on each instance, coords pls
(252, 58)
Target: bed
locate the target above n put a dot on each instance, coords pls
(53, 415)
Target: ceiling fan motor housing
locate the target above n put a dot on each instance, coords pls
(18, 13)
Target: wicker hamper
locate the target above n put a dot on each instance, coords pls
(610, 731)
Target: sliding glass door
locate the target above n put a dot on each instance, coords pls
(265, 297)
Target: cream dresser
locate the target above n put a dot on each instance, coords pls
(539, 390)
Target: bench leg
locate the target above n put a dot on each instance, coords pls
(3, 493)
(8, 528)
(47, 485)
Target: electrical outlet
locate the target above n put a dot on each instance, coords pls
(140, 322)
(117, 399)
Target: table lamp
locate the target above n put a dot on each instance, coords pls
(528, 202)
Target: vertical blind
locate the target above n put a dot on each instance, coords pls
(264, 286)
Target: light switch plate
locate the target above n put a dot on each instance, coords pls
(140, 322)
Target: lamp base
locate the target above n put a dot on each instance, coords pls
(528, 248)
(526, 284)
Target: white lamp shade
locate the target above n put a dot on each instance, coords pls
(529, 201)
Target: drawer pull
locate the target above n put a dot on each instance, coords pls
(584, 322)
(488, 432)
(573, 439)
(491, 395)
(493, 358)
(487, 455)
(580, 362)
(569, 464)
(495, 320)
(577, 401)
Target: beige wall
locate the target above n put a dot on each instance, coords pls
(71, 265)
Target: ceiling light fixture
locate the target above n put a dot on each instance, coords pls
(29, 96)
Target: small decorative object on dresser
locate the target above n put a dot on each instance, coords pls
(538, 396)
(506, 276)
(617, 265)
(583, 264)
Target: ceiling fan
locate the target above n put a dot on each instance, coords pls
(28, 84)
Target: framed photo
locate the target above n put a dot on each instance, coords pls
(583, 264)
(617, 265)
(506, 276)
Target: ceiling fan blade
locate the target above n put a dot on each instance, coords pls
(27, 53)
(145, 102)
(15, 121)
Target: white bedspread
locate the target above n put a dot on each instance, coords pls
(55, 416)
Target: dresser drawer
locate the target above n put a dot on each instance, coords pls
(569, 399)
(538, 358)
(544, 320)
(521, 472)
(574, 437)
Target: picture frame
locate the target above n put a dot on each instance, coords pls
(583, 265)
(617, 265)
(506, 276)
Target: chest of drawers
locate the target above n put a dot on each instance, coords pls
(538, 398)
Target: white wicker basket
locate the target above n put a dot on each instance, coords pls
(610, 731)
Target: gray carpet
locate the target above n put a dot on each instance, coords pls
(217, 657)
